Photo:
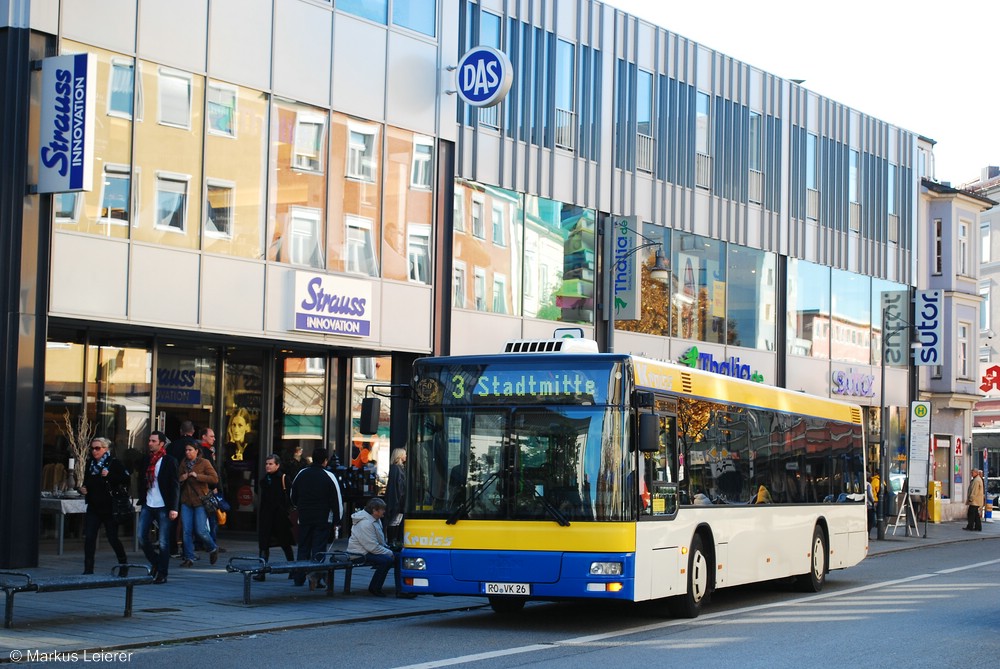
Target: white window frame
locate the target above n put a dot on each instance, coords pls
(74, 216)
(478, 224)
(116, 171)
(938, 250)
(479, 288)
(363, 367)
(172, 182)
(499, 291)
(498, 224)
(985, 236)
(169, 73)
(315, 366)
(458, 210)
(362, 165)
(231, 187)
(355, 248)
(459, 277)
(530, 272)
(416, 252)
(962, 248)
(311, 160)
(311, 216)
(421, 168)
(962, 350)
(116, 64)
(216, 87)
(984, 307)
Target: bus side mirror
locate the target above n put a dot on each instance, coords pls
(370, 409)
(649, 432)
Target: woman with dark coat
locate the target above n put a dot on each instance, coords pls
(274, 528)
(395, 497)
(102, 474)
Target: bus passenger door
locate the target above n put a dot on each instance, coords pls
(657, 549)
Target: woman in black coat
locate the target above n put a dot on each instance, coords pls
(395, 497)
(274, 528)
(102, 474)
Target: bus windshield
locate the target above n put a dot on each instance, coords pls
(561, 464)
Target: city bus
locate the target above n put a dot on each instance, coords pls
(554, 472)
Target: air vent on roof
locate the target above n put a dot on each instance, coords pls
(551, 346)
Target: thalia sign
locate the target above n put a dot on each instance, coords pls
(332, 305)
(484, 76)
(66, 146)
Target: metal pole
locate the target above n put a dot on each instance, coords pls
(883, 464)
(608, 303)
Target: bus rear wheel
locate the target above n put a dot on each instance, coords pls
(506, 605)
(813, 580)
(699, 583)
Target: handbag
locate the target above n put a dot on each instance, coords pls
(293, 513)
(121, 504)
(223, 504)
(210, 503)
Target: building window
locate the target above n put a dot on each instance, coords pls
(891, 188)
(756, 176)
(416, 15)
(984, 308)
(459, 210)
(423, 159)
(963, 248)
(644, 141)
(478, 226)
(702, 142)
(309, 134)
(985, 252)
(479, 288)
(565, 94)
(458, 297)
(360, 246)
(175, 98)
(530, 272)
(812, 155)
(304, 248)
(220, 206)
(938, 250)
(221, 102)
(419, 252)
(499, 294)
(853, 189)
(171, 202)
(373, 10)
(67, 207)
(499, 235)
(115, 191)
(962, 352)
(361, 161)
(120, 88)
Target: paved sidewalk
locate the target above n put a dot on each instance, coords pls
(205, 601)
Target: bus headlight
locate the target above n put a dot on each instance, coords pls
(605, 568)
(415, 563)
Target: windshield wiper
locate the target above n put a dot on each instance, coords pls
(552, 511)
(467, 504)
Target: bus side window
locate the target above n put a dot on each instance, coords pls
(660, 468)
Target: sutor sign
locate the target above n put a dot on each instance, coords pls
(484, 76)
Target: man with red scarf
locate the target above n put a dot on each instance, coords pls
(159, 492)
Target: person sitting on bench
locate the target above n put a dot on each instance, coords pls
(368, 539)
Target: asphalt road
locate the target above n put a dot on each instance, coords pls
(936, 606)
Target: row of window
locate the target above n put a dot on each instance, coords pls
(221, 166)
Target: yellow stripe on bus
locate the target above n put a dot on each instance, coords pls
(520, 536)
(719, 388)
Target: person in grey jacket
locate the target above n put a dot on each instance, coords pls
(368, 539)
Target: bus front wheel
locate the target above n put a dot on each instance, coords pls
(506, 605)
(813, 580)
(699, 582)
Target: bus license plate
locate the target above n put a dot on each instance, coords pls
(523, 589)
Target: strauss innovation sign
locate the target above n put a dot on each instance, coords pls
(332, 305)
(66, 146)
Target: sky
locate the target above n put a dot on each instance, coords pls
(927, 67)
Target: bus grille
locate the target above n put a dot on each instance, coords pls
(550, 346)
(686, 383)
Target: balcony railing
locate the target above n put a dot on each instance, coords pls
(644, 147)
(855, 217)
(703, 170)
(490, 116)
(565, 125)
(812, 204)
(756, 194)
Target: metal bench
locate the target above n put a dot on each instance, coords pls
(13, 582)
(250, 566)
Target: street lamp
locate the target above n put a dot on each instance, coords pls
(659, 272)
(882, 508)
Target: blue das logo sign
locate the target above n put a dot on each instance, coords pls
(484, 76)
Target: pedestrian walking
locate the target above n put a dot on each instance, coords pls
(159, 492)
(975, 501)
(196, 477)
(103, 473)
(273, 525)
(316, 495)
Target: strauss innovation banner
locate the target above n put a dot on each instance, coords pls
(66, 146)
(332, 305)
